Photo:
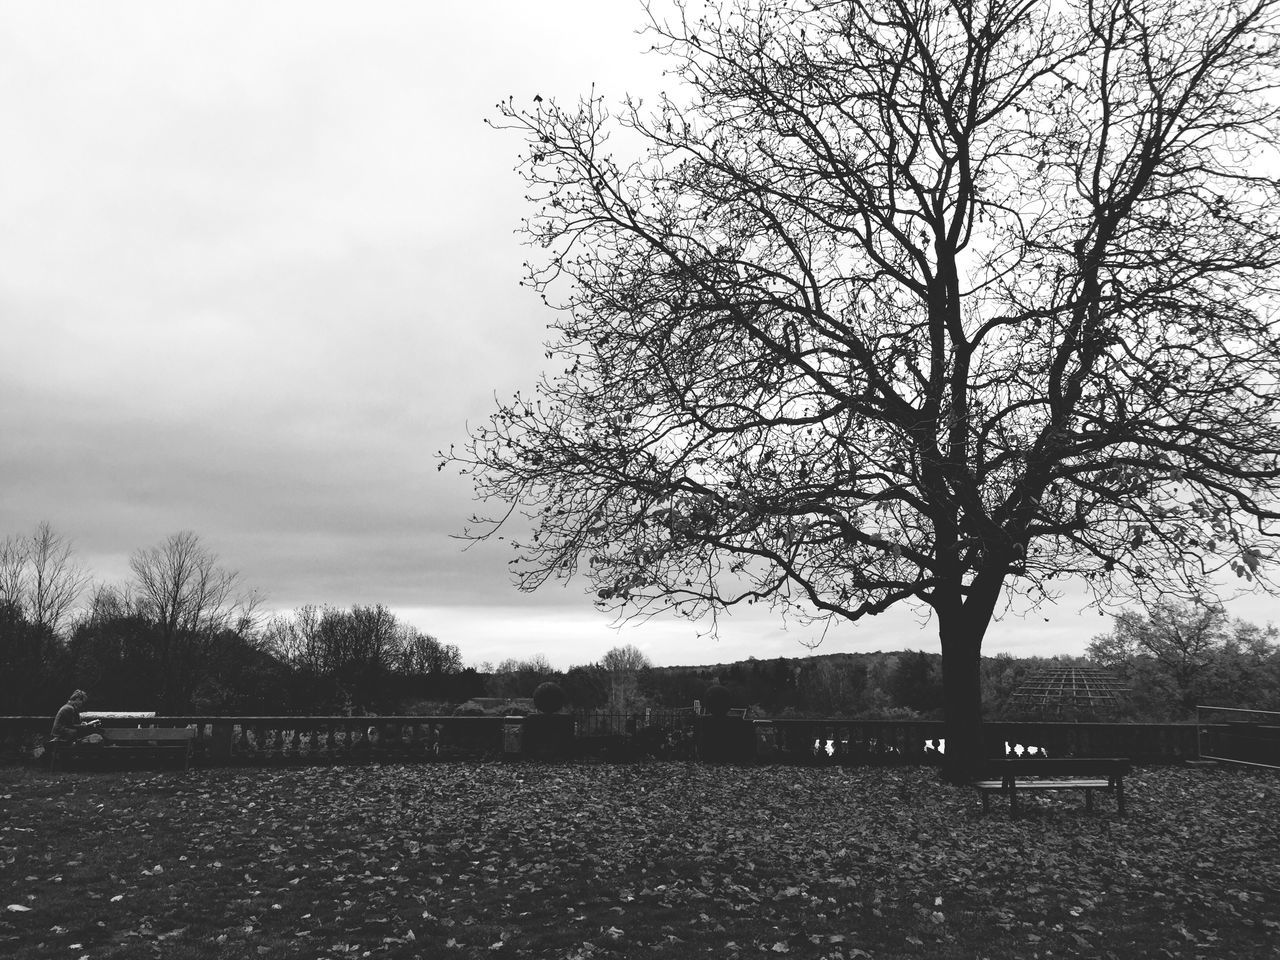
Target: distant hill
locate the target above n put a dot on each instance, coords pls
(895, 683)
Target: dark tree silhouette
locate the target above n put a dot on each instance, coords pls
(180, 587)
(906, 300)
(1202, 653)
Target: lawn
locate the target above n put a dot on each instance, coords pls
(653, 860)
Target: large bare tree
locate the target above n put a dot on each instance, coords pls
(907, 301)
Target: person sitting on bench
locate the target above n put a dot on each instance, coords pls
(67, 726)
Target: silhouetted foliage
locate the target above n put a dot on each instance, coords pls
(916, 683)
(586, 687)
(548, 697)
(33, 665)
(717, 699)
(514, 678)
(361, 660)
(1176, 655)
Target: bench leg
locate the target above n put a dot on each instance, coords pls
(1120, 796)
(1013, 799)
(1088, 799)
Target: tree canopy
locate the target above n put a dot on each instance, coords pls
(906, 300)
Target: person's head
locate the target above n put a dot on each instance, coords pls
(78, 699)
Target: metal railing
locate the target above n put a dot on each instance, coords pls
(1239, 735)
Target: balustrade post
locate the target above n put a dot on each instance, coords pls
(842, 744)
(512, 738)
(220, 743)
(820, 741)
(766, 741)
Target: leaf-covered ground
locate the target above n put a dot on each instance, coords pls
(653, 860)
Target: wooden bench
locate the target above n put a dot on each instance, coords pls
(129, 741)
(1013, 776)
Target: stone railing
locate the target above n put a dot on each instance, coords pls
(924, 741)
(238, 740)
(847, 741)
(316, 739)
(1141, 742)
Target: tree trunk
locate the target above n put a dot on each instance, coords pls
(961, 628)
(962, 701)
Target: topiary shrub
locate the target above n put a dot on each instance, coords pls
(717, 700)
(548, 697)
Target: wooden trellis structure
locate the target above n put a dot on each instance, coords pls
(1068, 691)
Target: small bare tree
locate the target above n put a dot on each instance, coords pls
(13, 562)
(40, 577)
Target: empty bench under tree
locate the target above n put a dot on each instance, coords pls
(130, 742)
(1017, 775)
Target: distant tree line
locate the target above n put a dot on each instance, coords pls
(183, 636)
(1167, 660)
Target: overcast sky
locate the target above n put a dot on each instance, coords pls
(258, 264)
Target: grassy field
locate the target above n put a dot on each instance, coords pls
(654, 860)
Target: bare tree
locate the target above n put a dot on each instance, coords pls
(181, 586)
(537, 665)
(13, 562)
(518, 677)
(293, 639)
(56, 580)
(907, 301)
(357, 649)
(40, 575)
(420, 653)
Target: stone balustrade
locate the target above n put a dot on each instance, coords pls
(322, 739)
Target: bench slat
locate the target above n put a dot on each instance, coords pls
(1084, 766)
(1054, 785)
(158, 734)
(1042, 784)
